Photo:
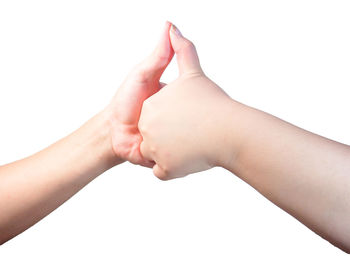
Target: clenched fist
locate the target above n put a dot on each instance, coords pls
(182, 125)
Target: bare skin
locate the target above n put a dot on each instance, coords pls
(191, 125)
(187, 126)
(33, 187)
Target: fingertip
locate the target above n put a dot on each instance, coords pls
(168, 25)
(175, 31)
(164, 45)
(161, 56)
(185, 51)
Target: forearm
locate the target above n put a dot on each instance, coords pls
(33, 187)
(305, 174)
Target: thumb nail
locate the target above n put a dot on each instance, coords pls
(175, 30)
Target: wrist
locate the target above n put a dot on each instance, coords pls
(229, 134)
(95, 135)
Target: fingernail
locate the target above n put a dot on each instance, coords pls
(175, 30)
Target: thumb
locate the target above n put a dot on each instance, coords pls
(155, 64)
(187, 57)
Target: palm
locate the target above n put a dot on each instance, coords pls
(126, 108)
(126, 105)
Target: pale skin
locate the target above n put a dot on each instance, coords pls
(191, 125)
(187, 126)
(33, 187)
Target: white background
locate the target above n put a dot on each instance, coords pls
(62, 61)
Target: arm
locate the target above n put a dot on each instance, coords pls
(192, 125)
(33, 187)
(305, 174)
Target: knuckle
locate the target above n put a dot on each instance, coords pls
(142, 126)
(153, 150)
(167, 170)
(163, 177)
(187, 44)
(142, 76)
(162, 172)
(161, 55)
(140, 73)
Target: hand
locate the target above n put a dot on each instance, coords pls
(181, 124)
(124, 110)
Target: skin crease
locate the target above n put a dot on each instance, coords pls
(33, 187)
(187, 126)
(125, 108)
(191, 125)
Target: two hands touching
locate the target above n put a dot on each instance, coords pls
(183, 127)
(169, 126)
